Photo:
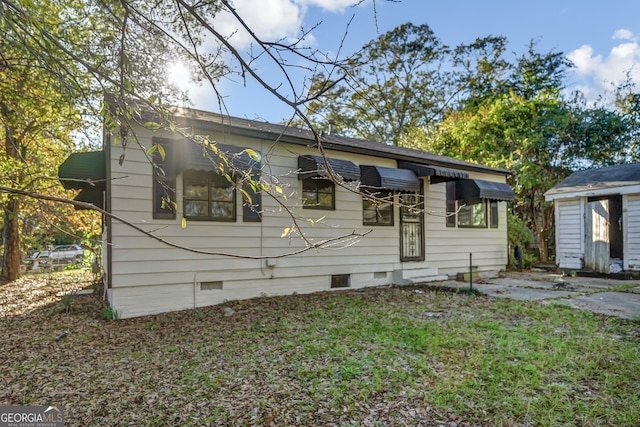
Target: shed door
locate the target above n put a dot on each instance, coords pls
(596, 248)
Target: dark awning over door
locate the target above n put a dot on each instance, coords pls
(480, 189)
(314, 166)
(83, 171)
(435, 174)
(200, 158)
(380, 177)
(95, 197)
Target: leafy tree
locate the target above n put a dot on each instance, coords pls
(393, 83)
(628, 103)
(56, 59)
(403, 80)
(37, 120)
(541, 140)
(480, 72)
(70, 54)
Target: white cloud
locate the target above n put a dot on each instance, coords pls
(275, 19)
(623, 34)
(332, 5)
(268, 19)
(584, 60)
(599, 75)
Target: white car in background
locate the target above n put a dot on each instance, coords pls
(67, 254)
(58, 257)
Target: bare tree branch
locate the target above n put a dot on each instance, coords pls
(322, 244)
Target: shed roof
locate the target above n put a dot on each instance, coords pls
(607, 178)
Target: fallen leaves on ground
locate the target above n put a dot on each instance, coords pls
(292, 361)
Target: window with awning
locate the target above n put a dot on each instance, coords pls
(473, 202)
(384, 178)
(311, 166)
(434, 173)
(481, 189)
(199, 157)
(208, 194)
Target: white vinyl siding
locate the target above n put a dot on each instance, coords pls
(148, 276)
(448, 248)
(631, 226)
(569, 216)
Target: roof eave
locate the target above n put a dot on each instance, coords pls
(250, 128)
(569, 193)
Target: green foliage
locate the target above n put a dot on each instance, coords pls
(58, 60)
(67, 301)
(505, 113)
(394, 83)
(110, 313)
(521, 235)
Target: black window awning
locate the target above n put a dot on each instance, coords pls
(436, 174)
(310, 166)
(83, 171)
(481, 189)
(380, 177)
(199, 157)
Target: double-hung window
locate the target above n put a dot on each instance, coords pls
(377, 208)
(318, 193)
(472, 213)
(209, 196)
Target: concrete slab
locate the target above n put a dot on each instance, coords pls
(537, 279)
(586, 293)
(556, 285)
(621, 304)
(509, 289)
(523, 293)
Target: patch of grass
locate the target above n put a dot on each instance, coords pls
(67, 300)
(387, 356)
(110, 313)
(462, 289)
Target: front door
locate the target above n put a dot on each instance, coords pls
(596, 242)
(411, 227)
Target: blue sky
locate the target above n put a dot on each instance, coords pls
(601, 37)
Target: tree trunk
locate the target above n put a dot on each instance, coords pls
(544, 250)
(11, 240)
(539, 224)
(11, 232)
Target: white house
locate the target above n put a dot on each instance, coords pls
(597, 213)
(378, 243)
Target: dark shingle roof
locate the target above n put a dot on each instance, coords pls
(294, 135)
(597, 179)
